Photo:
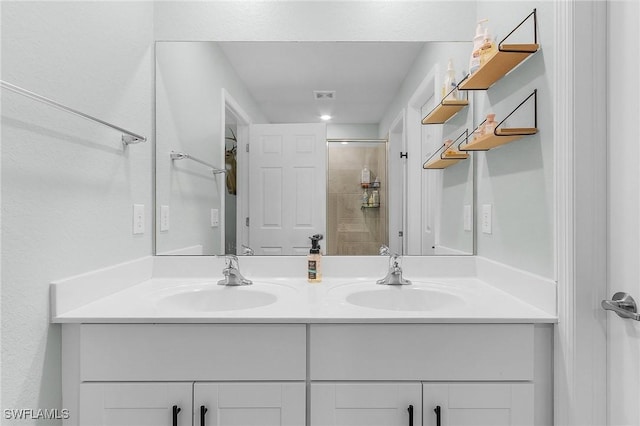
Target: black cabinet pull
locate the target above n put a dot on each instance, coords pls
(203, 411)
(437, 411)
(410, 410)
(176, 410)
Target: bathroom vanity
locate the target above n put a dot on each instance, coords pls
(161, 348)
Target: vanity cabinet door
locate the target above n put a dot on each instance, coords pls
(366, 404)
(249, 404)
(139, 404)
(478, 404)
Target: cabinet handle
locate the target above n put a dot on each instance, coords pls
(176, 410)
(203, 411)
(410, 410)
(437, 410)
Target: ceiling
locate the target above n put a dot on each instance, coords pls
(282, 76)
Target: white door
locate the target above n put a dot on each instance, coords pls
(287, 187)
(478, 404)
(431, 184)
(249, 404)
(623, 335)
(397, 175)
(139, 404)
(365, 404)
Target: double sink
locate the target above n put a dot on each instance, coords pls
(210, 297)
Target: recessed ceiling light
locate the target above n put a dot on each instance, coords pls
(325, 117)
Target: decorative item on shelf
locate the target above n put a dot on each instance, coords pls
(489, 134)
(447, 155)
(497, 63)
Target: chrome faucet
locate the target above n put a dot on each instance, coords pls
(247, 251)
(232, 275)
(394, 276)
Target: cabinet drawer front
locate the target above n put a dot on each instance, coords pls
(479, 404)
(141, 352)
(421, 352)
(250, 404)
(365, 404)
(140, 404)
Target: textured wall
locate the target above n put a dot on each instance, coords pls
(68, 185)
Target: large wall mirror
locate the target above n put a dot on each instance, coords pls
(260, 145)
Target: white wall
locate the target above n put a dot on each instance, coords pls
(517, 179)
(352, 131)
(190, 77)
(68, 186)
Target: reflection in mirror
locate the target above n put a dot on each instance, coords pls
(253, 109)
(357, 189)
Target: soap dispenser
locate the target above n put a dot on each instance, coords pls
(314, 260)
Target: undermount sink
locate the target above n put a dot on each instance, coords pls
(404, 298)
(217, 298)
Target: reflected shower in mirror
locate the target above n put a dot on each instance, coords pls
(292, 126)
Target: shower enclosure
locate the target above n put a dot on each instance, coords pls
(357, 213)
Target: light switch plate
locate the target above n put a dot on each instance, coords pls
(164, 218)
(215, 218)
(467, 217)
(486, 218)
(138, 219)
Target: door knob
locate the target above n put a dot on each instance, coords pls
(623, 305)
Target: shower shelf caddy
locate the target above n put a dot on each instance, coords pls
(370, 185)
(447, 155)
(501, 136)
(504, 60)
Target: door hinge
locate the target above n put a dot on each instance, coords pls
(247, 147)
(400, 234)
(403, 154)
(246, 222)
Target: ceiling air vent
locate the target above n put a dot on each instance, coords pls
(324, 95)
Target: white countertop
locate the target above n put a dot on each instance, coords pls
(158, 299)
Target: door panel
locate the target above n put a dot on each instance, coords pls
(623, 272)
(140, 404)
(364, 404)
(479, 404)
(250, 404)
(287, 187)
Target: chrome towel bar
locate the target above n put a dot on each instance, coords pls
(623, 305)
(127, 136)
(183, 155)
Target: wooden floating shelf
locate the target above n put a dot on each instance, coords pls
(503, 136)
(444, 111)
(503, 61)
(445, 160)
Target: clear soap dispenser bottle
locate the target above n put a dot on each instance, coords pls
(314, 260)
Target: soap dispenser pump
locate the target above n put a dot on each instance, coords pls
(450, 88)
(476, 54)
(314, 260)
